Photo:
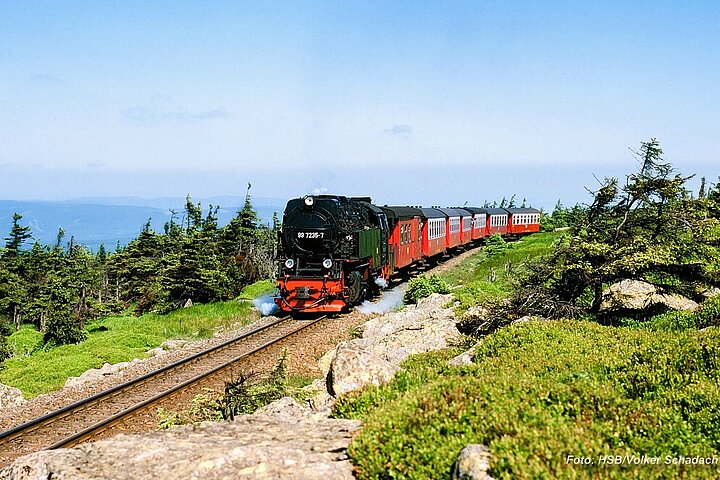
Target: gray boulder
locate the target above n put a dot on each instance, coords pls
(10, 397)
(354, 366)
(422, 328)
(472, 463)
(639, 295)
(285, 408)
(95, 374)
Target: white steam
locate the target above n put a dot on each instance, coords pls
(388, 301)
(381, 282)
(266, 305)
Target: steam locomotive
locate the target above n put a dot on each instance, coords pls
(336, 251)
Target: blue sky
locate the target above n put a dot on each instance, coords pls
(410, 102)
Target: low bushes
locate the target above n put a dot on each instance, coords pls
(424, 286)
(541, 391)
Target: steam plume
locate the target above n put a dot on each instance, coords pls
(266, 305)
(389, 300)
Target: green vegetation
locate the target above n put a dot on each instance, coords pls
(495, 245)
(561, 218)
(257, 289)
(650, 229)
(64, 310)
(541, 391)
(485, 277)
(113, 340)
(424, 286)
(24, 341)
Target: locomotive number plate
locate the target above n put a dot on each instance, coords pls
(310, 235)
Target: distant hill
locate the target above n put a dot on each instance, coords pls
(109, 220)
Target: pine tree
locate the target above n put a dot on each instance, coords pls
(13, 295)
(649, 229)
(18, 235)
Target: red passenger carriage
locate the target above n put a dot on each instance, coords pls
(479, 222)
(497, 221)
(405, 238)
(433, 232)
(523, 220)
(453, 226)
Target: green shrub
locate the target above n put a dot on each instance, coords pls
(495, 245)
(709, 312)
(673, 320)
(424, 286)
(540, 391)
(62, 329)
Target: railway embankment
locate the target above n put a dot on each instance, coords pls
(286, 439)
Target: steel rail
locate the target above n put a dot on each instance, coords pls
(63, 412)
(109, 422)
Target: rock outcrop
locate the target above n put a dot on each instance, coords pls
(253, 446)
(389, 339)
(639, 295)
(464, 359)
(10, 396)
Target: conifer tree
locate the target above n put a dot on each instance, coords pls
(18, 235)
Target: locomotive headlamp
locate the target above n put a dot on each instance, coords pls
(289, 263)
(327, 263)
(309, 201)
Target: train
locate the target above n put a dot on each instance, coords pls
(336, 251)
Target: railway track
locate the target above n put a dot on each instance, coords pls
(102, 413)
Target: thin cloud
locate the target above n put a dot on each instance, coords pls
(399, 130)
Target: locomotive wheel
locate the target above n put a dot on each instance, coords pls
(354, 283)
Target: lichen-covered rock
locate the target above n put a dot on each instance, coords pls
(528, 318)
(710, 292)
(354, 366)
(639, 295)
(253, 446)
(10, 397)
(472, 463)
(389, 339)
(475, 314)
